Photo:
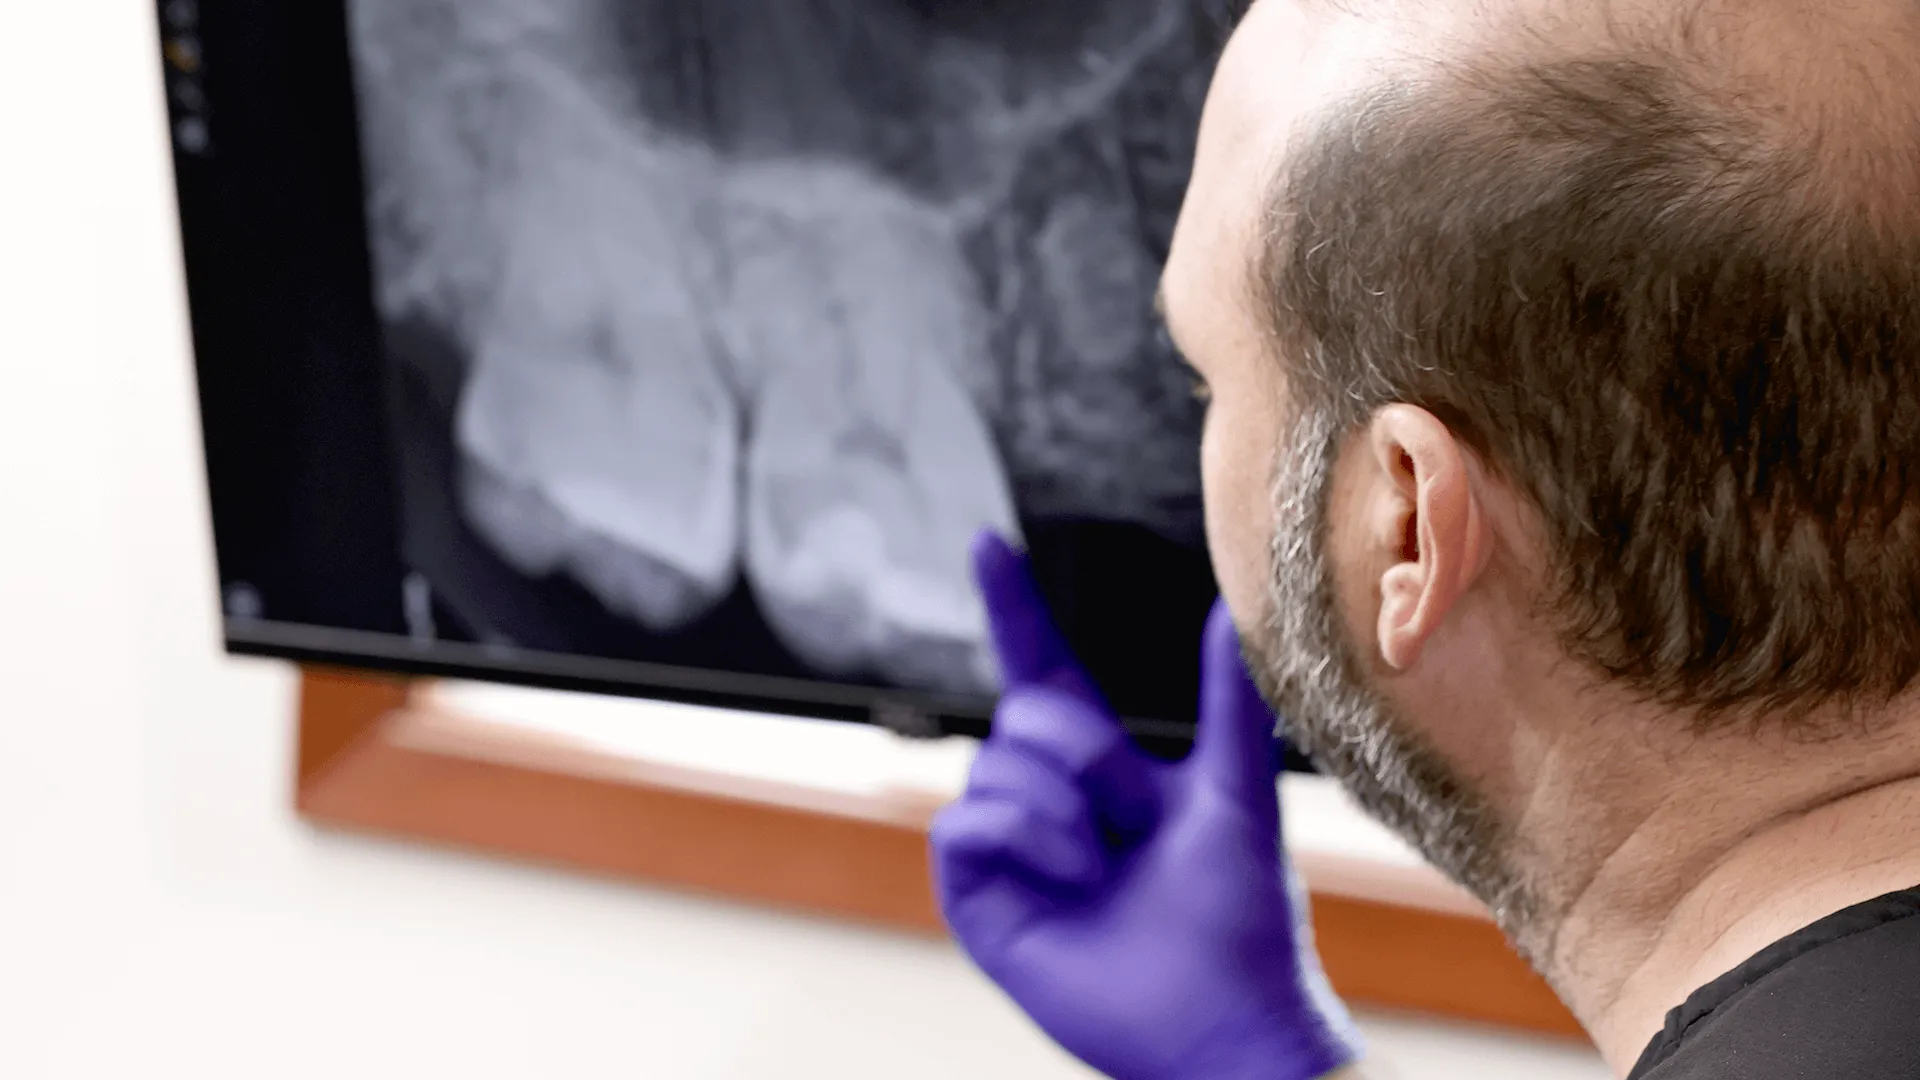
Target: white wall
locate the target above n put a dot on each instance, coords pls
(161, 912)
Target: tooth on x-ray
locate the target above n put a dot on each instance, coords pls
(598, 434)
(870, 469)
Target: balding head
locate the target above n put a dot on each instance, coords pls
(1589, 334)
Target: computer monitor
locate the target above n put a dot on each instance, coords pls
(677, 348)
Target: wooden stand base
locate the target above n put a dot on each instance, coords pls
(377, 757)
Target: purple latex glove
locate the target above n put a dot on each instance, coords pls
(1144, 914)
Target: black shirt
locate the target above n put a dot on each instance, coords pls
(1839, 1000)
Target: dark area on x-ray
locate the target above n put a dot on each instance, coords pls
(717, 327)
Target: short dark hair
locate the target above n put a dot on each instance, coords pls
(1653, 315)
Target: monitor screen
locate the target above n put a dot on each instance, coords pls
(679, 347)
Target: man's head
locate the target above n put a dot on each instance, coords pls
(1578, 346)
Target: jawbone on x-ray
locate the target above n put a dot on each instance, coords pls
(833, 300)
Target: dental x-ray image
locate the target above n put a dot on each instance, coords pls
(718, 327)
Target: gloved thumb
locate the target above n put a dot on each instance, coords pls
(1234, 743)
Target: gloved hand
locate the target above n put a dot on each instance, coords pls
(1144, 914)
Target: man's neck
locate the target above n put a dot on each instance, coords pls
(1743, 844)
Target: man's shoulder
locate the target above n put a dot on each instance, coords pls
(1840, 998)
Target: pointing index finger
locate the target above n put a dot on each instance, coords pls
(1234, 741)
(1029, 645)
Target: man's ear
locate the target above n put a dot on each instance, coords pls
(1424, 508)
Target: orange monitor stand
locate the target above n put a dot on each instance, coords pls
(377, 754)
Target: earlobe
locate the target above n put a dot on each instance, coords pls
(1434, 494)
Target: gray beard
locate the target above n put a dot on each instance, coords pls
(1310, 672)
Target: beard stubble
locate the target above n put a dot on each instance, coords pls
(1305, 663)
